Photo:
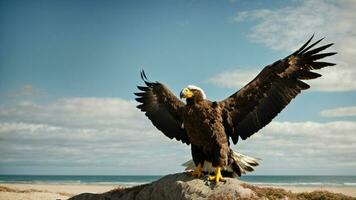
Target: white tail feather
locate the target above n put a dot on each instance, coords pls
(244, 162)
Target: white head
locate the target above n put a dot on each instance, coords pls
(193, 87)
(188, 92)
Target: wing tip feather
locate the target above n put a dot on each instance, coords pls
(143, 88)
(310, 46)
(304, 45)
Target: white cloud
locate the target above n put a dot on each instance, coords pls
(288, 28)
(234, 78)
(338, 135)
(339, 112)
(77, 112)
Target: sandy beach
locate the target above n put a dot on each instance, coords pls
(48, 192)
(62, 192)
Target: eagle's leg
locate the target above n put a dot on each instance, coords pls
(197, 171)
(218, 177)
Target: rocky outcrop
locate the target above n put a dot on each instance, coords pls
(176, 186)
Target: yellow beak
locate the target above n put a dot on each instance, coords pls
(186, 93)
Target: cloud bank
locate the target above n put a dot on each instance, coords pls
(106, 133)
(339, 112)
(111, 135)
(305, 147)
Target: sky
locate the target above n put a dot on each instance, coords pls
(68, 71)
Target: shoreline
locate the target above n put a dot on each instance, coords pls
(17, 191)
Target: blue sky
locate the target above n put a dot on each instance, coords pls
(68, 70)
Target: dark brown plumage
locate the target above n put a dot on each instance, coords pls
(207, 125)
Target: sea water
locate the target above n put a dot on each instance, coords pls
(137, 180)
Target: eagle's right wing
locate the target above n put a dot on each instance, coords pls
(256, 104)
(162, 108)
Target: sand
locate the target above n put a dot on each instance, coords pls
(49, 191)
(62, 192)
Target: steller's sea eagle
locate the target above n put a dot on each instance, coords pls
(208, 125)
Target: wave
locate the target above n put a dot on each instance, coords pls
(350, 184)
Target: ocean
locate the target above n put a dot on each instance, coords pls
(137, 180)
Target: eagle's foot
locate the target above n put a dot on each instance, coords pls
(218, 177)
(197, 171)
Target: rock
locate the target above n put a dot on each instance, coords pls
(177, 186)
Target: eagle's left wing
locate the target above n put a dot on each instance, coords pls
(162, 108)
(256, 104)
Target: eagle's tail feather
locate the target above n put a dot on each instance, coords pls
(238, 164)
(242, 163)
(189, 165)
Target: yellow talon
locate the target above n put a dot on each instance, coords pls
(197, 171)
(218, 177)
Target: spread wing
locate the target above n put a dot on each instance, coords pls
(162, 108)
(256, 104)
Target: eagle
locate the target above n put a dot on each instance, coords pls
(210, 126)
